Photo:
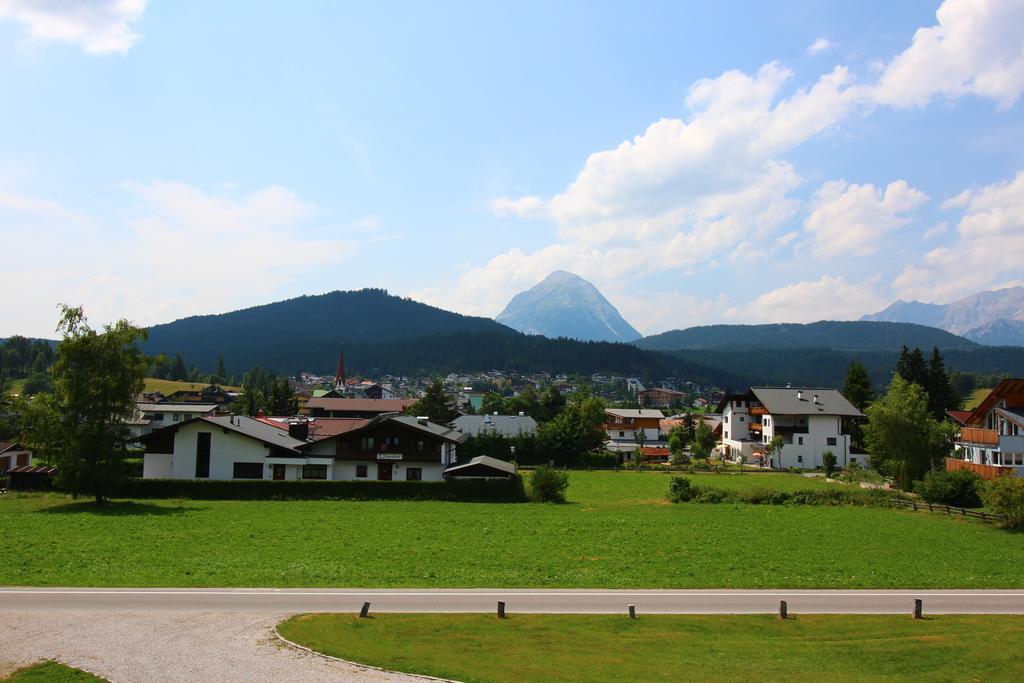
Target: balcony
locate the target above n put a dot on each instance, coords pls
(982, 437)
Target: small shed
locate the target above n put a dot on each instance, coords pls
(29, 478)
(482, 466)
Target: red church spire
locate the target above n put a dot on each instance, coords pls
(339, 380)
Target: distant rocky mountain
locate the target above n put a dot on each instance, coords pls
(826, 334)
(566, 305)
(992, 317)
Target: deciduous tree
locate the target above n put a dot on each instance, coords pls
(80, 428)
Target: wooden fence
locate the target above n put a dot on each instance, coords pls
(948, 509)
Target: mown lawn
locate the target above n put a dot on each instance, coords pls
(618, 530)
(50, 672)
(522, 648)
(169, 386)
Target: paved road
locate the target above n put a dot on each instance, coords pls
(291, 601)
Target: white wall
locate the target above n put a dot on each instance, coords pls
(820, 428)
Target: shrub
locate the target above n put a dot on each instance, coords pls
(599, 459)
(960, 488)
(828, 459)
(454, 490)
(680, 490)
(548, 485)
(1005, 496)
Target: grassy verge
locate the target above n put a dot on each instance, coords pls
(50, 672)
(169, 386)
(672, 648)
(617, 531)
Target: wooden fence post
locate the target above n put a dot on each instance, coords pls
(918, 608)
(632, 611)
(365, 611)
(501, 609)
(783, 610)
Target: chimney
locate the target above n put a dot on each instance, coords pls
(298, 429)
(799, 395)
(522, 414)
(815, 398)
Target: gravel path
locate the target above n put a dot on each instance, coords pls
(169, 646)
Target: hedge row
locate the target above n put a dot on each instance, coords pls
(458, 490)
(681, 490)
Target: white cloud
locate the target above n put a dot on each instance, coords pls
(935, 231)
(523, 207)
(987, 253)
(96, 26)
(854, 219)
(819, 46)
(828, 298)
(976, 48)
(181, 251)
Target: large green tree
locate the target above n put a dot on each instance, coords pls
(857, 387)
(576, 431)
(942, 392)
(80, 427)
(904, 438)
(703, 440)
(436, 404)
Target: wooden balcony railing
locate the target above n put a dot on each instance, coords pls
(987, 437)
(984, 471)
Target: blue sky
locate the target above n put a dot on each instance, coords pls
(710, 162)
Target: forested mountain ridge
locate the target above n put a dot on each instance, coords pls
(825, 334)
(385, 334)
(306, 331)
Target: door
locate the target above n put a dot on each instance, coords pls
(384, 471)
(279, 472)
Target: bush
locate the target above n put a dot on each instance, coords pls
(454, 490)
(960, 488)
(680, 490)
(1005, 496)
(548, 485)
(828, 459)
(599, 459)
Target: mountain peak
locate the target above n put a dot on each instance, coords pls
(565, 305)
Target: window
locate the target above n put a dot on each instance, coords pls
(726, 420)
(158, 417)
(726, 435)
(767, 421)
(247, 470)
(799, 441)
(741, 418)
(622, 433)
(853, 460)
(203, 455)
(830, 441)
(314, 471)
(366, 443)
(800, 459)
(360, 471)
(413, 473)
(419, 445)
(177, 417)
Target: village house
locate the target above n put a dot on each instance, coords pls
(12, 455)
(385, 447)
(622, 426)
(659, 397)
(991, 438)
(506, 425)
(355, 407)
(809, 420)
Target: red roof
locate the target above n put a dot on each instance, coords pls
(320, 427)
(361, 405)
(959, 416)
(32, 469)
(655, 452)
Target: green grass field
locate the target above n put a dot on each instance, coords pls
(50, 672)
(169, 386)
(975, 399)
(618, 530)
(523, 648)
